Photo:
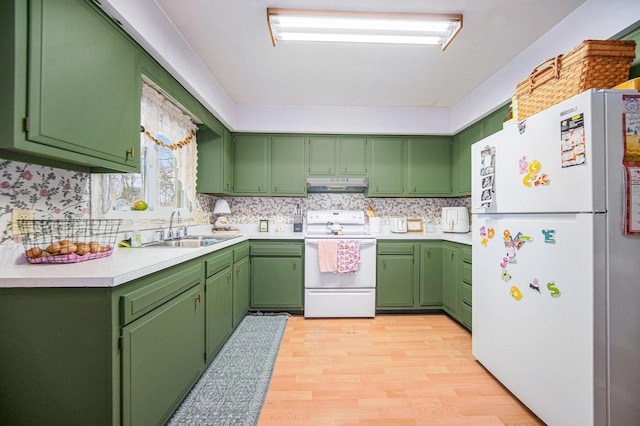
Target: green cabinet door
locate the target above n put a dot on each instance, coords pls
(241, 289)
(431, 273)
(287, 166)
(227, 162)
(353, 156)
(219, 310)
(251, 162)
(429, 165)
(394, 281)
(450, 278)
(162, 356)
(493, 123)
(84, 83)
(321, 153)
(462, 157)
(276, 282)
(386, 176)
(212, 168)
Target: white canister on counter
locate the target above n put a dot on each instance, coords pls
(375, 225)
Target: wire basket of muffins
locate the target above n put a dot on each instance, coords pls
(68, 241)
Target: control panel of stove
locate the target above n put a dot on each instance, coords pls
(343, 217)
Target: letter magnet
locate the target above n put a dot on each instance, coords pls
(506, 276)
(515, 292)
(553, 289)
(549, 236)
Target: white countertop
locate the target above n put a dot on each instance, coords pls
(127, 264)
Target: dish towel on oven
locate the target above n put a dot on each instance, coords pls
(348, 256)
(328, 255)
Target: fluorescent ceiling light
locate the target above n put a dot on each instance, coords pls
(362, 27)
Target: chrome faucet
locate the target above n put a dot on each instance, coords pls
(170, 236)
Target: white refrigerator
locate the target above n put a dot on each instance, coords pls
(556, 283)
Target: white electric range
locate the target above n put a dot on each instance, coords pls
(337, 294)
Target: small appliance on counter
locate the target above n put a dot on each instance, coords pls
(398, 224)
(455, 219)
(297, 220)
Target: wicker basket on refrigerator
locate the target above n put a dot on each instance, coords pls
(593, 64)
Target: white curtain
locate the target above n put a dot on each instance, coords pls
(158, 115)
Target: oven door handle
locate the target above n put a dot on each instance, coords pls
(363, 242)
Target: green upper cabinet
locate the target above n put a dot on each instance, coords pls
(250, 159)
(386, 177)
(321, 155)
(461, 163)
(71, 87)
(337, 156)
(287, 165)
(214, 161)
(429, 170)
(353, 156)
(494, 122)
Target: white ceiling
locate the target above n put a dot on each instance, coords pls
(232, 40)
(221, 52)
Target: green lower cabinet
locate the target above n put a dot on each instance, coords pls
(219, 296)
(465, 286)
(395, 281)
(241, 289)
(409, 275)
(277, 275)
(450, 267)
(456, 282)
(162, 358)
(431, 274)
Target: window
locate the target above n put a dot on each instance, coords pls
(167, 163)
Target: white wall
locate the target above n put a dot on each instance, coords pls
(595, 19)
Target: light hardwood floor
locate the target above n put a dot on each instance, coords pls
(392, 370)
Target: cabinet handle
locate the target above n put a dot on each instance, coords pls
(384, 264)
(414, 188)
(377, 189)
(345, 169)
(131, 153)
(294, 265)
(198, 299)
(259, 187)
(238, 270)
(428, 252)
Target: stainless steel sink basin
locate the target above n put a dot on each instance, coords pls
(192, 241)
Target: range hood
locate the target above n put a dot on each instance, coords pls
(330, 184)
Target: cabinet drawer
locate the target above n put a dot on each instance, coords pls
(466, 272)
(466, 315)
(466, 254)
(465, 293)
(276, 249)
(160, 288)
(240, 250)
(218, 261)
(395, 248)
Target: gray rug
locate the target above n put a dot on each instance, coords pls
(233, 388)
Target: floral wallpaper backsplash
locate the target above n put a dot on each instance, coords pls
(62, 194)
(50, 193)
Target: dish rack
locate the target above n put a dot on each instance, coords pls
(68, 240)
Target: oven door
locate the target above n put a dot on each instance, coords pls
(336, 295)
(364, 278)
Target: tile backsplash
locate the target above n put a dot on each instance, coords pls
(62, 194)
(247, 210)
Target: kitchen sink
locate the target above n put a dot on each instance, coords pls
(191, 241)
